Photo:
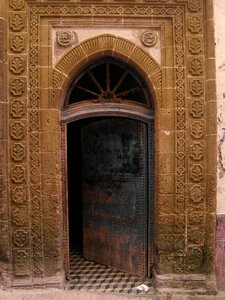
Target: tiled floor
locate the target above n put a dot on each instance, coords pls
(90, 276)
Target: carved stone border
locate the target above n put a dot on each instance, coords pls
(195, 98)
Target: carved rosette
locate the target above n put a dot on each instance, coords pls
(196, 132)
(17, 130)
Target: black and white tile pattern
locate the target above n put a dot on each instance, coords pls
(91, 276)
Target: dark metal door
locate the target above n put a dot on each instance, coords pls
(114, 163)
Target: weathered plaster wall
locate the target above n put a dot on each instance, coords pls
(219, 12)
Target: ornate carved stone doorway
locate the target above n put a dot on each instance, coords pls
(111, 167)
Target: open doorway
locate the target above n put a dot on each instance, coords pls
(110, 192)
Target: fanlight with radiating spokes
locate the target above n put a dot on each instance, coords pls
(109, 80)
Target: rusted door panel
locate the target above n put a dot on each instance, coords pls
(115, 194)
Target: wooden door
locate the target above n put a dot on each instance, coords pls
(114, 163)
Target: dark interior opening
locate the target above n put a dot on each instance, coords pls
(74, 158)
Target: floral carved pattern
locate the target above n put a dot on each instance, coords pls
(196, 108)
(19, 216)
(196, 87)
(197, 172)
(17, 108)
(16, 22)
(197, 193)
(17, 43)
(17, 65)
(17, 130)
(17, 87)
(16, 4)
(195, 45)
(194, 24)
(194, 5)
(18, 194)
(20, 237)
(196, 67)
(197, 129)
(18, 152)
(21, 258)
(197, 151)
(18, 174)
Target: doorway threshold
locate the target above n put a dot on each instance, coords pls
(90, 276)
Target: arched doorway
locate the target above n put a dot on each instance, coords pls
(110, 159)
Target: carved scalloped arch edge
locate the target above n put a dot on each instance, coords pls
(94, 47)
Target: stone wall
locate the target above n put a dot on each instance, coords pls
(219, 11)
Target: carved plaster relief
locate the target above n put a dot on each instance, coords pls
(73, 35)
